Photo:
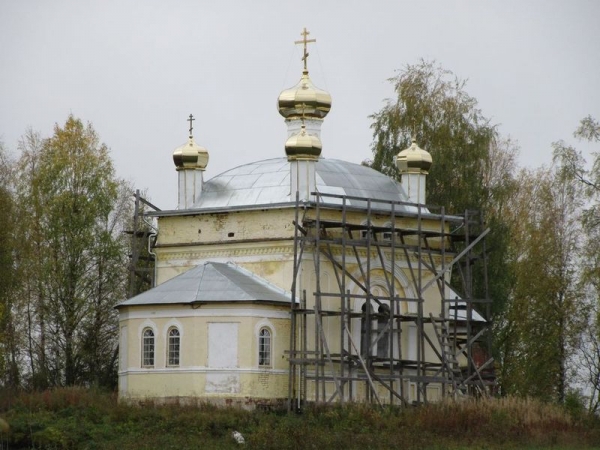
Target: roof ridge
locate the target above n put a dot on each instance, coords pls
(256, 278)
(201, 278)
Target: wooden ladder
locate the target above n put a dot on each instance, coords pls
(449, 354)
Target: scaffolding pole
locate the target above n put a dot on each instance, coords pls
(377, 276)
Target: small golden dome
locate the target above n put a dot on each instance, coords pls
(413, 160)
(304, 100)
(303, 146)
(190, 156)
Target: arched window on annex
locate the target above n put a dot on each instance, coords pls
(173, 347)
(148, 347)
(265, 347)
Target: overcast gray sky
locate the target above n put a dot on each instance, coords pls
(137, 69)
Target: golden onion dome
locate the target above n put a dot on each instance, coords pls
(190, 156)
(413, 160)
(304, 100)
(303, 146)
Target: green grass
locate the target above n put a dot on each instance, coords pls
(76, 418)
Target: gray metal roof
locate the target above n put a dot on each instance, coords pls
(458, 308)
(268, 182)
(212, 282)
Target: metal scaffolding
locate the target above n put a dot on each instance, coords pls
(383, 305)
(141, 259)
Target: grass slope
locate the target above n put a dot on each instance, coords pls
(75, 418)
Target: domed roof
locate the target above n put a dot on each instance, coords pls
(304, 100)
(267, 182)
(190, 156)
(413, 160)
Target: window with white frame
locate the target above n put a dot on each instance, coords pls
(264, 347)
(148, 348)
(173, 347)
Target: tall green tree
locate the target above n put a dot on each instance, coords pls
(473, 167)
(31, 246)
(74, 212)
(9, 349)
(543, 320)
(587, 357)
(432, 105)
(575, 168)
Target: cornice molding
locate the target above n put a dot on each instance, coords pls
(223, 252)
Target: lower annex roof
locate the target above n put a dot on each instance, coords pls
(212, 282)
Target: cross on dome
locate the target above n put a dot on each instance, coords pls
(305, 41)
(190, 120)
(304, 100)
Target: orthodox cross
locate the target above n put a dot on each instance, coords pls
(305, 41)
(190, 120)
(303, 109)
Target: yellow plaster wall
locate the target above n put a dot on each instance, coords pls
(217, 227)
(189, 378)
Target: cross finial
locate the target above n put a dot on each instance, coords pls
(190, 120)
(303, 109)
(305, 41)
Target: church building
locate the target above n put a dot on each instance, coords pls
(303, 279)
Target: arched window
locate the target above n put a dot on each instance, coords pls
(148, 348)
(264, 347)
(173, 347)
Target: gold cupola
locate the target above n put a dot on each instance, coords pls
(303, 146)
(304, 100)
(413, 160)
(190, 155)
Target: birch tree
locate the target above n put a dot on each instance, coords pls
(473, 167)
(9, 349)
(432, 105)
(543, 320)
(587, 175)
(75, 262)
